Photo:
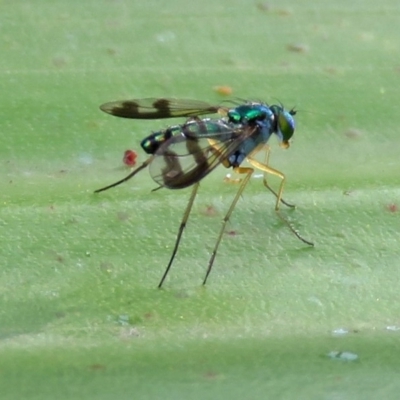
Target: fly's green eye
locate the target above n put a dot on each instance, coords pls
(285, 125)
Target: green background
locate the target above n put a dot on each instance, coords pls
(80, 315)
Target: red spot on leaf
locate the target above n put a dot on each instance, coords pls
(392, 207)
(129, 158)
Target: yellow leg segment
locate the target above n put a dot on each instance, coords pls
(266, 162)
(268, 170)
(265, 147)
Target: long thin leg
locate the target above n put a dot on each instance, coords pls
(131, 175)
(272, 171)
(243, 183)
(266, 162)
(181, 228)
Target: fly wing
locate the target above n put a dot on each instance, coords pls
(184, 160)
(153, 108)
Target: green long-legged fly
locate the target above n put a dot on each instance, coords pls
(182, 155)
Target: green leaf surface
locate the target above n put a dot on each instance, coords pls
(80, 314)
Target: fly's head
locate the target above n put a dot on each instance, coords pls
(285, 124)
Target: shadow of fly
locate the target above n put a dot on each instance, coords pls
(182, 155)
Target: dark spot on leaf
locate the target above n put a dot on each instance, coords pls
(298, 47)
(392, 207)
(210, 211)
(353, 133)
(123, 216)
(97, 367)
(211, 375)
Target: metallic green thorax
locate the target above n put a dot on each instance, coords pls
(249, 113)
